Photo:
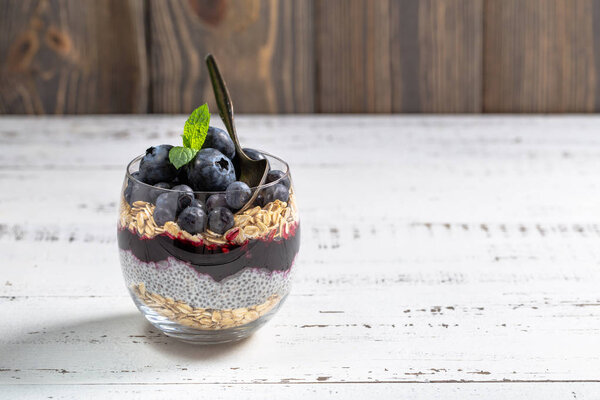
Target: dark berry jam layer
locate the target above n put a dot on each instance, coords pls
(217, 261)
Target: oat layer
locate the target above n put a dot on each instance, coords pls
(202, 318)
(272, 221)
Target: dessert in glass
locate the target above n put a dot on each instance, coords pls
(206, 258)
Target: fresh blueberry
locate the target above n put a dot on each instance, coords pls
(237, 194)
(260, 199)
(139, 191)
(162, 215)
(183, 188)
(276, 174)
(167, 201)
(153, 193)
(210, 171)
(220, 220)
(217, 138)
(253, 154)
(163, 185)
(186, 195)
(136, 176)
(174, 201)
(181, 177)
(198, 203)
(216, 200)
(131, 183)
(276, 192)
(127, 192)
(155, 165)
(192, 220)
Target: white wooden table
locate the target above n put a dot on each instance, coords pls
(462, 252)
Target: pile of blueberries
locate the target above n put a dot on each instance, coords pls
(212, 170)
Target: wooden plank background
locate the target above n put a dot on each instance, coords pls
(385, 56)
(398, 56)
(542, 56)
(72, 57)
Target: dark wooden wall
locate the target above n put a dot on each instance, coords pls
(300, 56)
(542, 56)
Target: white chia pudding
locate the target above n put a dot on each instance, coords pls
(178, 280)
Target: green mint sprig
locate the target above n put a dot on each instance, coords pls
(179, 156)
(196, 127)
(194, 135)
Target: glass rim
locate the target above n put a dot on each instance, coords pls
(286, 174)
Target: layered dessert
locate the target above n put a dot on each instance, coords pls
(198, 247)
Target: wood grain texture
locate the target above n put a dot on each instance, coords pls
(72, 57)
(265, 49)
(483, 279)
(399, 56)
(385, 56)
(542, 56)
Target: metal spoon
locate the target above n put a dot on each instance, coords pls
(252, 172)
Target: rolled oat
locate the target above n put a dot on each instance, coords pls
(249, 224)
(201, 318)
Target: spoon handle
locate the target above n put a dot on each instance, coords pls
(222, 97)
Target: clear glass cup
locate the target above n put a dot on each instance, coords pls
(208, 287)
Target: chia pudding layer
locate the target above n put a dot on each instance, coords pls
(178, 280)
(206, 276)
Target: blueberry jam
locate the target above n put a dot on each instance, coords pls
(217, 261)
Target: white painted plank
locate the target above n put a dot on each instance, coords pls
(404, 334)
(496, 391)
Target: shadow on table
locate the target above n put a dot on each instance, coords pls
(115, 337)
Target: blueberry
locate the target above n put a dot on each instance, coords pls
(219, 139)
(163, 185)
(168, 201)
(153, 193)
(260, 199)
(238, 194)
(183, 188)
(136, 176)
(127, 192)
(138, 191)
(131, 184)
(162, 215)
(174, 201)
(155, 165)
(220, 220)
(253, 154)
(216, 200)
(186, 195)
(192, 220)
(276, 192)
(210, 171)
(181, 177)
(198, 203)
(276, 174)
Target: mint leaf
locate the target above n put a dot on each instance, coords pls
(179, 156)
(196, 127)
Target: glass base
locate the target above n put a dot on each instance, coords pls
(202, 336)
